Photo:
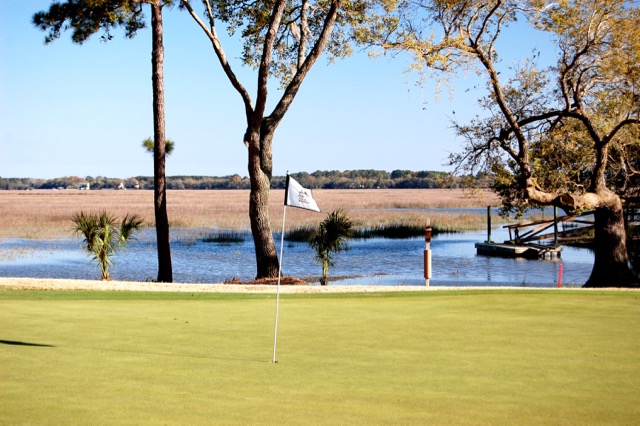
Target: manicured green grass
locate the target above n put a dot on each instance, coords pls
(505, 357)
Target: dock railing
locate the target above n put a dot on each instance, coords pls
(571, 226)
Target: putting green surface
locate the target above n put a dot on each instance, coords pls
(504, 357)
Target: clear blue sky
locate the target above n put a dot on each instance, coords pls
(83, 110)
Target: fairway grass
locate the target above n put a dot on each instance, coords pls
(464, 357)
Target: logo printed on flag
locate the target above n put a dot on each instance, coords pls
(298, 196)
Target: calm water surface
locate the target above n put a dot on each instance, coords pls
(372, 261)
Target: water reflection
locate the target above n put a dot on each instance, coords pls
(371, 262)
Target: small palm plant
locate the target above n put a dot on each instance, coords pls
(169, 145)
(102, 237)
(331, 238)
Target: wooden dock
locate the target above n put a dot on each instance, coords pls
(525, 239)
(526, 251)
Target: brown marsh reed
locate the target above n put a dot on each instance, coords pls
(45, 214)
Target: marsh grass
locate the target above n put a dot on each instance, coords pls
(301, 234)
(224, 237)
(47, 214)
(306, 234)
(393, 231)
(15, 253)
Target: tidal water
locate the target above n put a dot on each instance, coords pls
(376, 261)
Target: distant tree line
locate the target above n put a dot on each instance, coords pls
(67, 182)
(334, 179)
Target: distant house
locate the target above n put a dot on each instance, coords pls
(131, 183)
(84, 186)
(134, 183)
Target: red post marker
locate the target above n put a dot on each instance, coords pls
(560, 277)
(427, 255)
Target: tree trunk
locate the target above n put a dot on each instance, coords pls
(325, 271)
(260, 175)
(611, 264)
(165, 272)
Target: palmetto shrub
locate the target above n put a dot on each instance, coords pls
(331, 238)
(103, 236)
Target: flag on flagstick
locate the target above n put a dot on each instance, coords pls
(295, 195)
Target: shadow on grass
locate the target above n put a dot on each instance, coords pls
(42, 345)
(16, 343)
(176, 355)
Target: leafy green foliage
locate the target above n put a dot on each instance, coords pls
(102, 237)
(302, 25)
(169, 146)
(87, 17)
(570, 128)
(331, 238)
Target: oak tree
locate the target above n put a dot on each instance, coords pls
(281, 40)
(564, 135)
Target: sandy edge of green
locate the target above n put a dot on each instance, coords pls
(94, 285)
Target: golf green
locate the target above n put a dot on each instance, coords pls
(465, 357)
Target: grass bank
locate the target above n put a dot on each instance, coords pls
(461, 357)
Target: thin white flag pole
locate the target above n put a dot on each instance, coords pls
(275, 332)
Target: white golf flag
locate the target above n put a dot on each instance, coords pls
(298, 196)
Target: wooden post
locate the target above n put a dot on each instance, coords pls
(427, 255)
(555, 225)
(489, 224)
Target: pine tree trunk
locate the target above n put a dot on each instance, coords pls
(165, 272)
(611, 264)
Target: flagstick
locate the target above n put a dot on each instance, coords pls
(275, 332)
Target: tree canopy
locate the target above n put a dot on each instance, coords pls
(87, 17)
(564, 134)
(570, 127)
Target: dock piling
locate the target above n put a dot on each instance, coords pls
(489, 224)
